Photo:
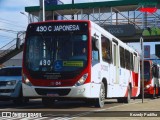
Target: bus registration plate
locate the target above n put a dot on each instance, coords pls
(52, 94)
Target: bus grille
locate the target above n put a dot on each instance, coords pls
(60, 92)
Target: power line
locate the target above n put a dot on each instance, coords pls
(11, 28)
(9, 20)
(7, 30)
(10, 31)
(12, 24)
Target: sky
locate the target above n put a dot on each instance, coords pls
(12, 21)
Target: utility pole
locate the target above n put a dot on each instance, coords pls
(42, 10)
(73, 14)
(142, 66)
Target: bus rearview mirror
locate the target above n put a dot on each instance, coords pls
(97, 44)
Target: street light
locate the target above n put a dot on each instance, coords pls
(29, 17)
(26, 16)
(23, 14)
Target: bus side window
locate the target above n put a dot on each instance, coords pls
(122, 57)
(131, 59)
(127, 59)
(106, 49)
(95, 49)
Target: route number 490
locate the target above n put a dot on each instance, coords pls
(45, 62)
(44, 28)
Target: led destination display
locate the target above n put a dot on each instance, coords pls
(57, 27)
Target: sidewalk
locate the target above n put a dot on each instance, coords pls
(147, 105)
(148, 110)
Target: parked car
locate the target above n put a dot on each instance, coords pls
(11, 84)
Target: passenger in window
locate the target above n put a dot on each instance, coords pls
(105, 49)
(104, 53)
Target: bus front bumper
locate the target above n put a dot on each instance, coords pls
(89, 90)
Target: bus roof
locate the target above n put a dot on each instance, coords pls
(110, 36)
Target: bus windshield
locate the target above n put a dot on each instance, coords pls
(146, 70)
(56, 53)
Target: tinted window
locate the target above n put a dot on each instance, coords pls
(60, 52)
(146, 70)
(122, 57)
(131, 55)
(11, 72)
(106, 49)
(127, 59)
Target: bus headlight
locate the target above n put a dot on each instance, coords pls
(148, 86)
(26, 81)
(82, 80)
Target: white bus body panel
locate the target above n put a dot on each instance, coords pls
(116, 87)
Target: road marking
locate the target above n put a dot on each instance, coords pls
(70, 117)
(90, 112)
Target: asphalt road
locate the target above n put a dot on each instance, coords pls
(67, 110)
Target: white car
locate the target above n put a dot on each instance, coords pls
(11, 84)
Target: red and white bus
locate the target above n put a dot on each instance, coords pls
(77, 59)
(151, 78)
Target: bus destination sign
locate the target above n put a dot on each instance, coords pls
(58, 27)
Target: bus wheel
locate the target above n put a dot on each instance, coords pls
(48, 102)
(128, 98)
(99, 102)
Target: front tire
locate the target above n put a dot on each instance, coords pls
(99, 102)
